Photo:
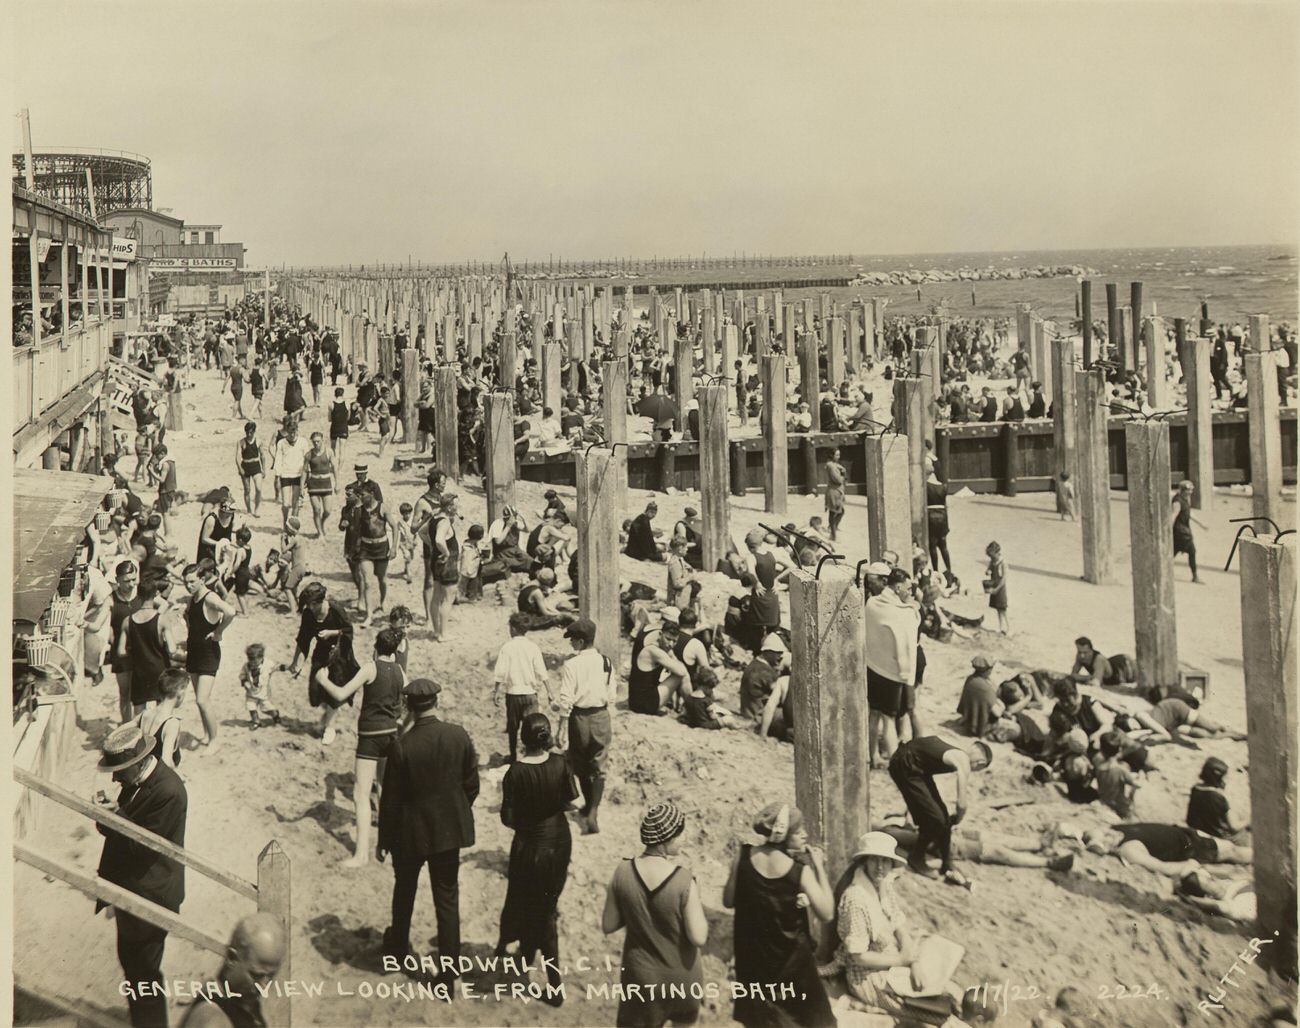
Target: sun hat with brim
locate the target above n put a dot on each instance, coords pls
(877, 844)
(125, 747)
(662, 823)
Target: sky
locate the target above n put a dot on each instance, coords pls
(334, 133)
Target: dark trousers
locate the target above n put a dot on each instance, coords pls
(444, 877)
(939, 548)
(517, 708)
(933, 826)
(140, 952)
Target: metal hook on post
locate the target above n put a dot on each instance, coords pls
(1246, 524)
(829, 556)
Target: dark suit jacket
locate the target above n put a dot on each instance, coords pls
(429, 786)
(159, 804)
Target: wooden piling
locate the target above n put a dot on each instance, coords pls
(552, 388)
(275, 897)
(889, 495)
(1265, 433)
(1153, 335)
(776, 472)
(410, 393)
(1268, 620)
(499, 475)
(598, 513)
(714, 474)
(1064, 417)
(613, 404)
(683, 376)
(1094, 474)
(1152, 547)
(1195, 357)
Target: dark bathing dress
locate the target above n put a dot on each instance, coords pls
(774, 948)
(534, 799)
(202, 653)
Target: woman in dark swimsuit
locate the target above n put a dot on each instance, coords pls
(251, 467)
(218, 525)
(126, 601)
(206, 618)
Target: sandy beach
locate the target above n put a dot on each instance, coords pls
(1024, 928)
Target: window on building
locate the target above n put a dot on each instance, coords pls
(209, 237)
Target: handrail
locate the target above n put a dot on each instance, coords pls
(82, 1012)
(134, 832)
(85, 151)
(120, 898)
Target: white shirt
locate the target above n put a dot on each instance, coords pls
(584, 682)
(520, 667)
(291, 458)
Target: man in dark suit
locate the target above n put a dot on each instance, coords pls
(153, 797)
(425, 819)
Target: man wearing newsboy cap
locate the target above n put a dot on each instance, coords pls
(152, 797)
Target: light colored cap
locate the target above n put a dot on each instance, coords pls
(772, 642)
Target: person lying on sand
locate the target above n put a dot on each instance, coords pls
(987, 847)
(1172, 850)
(1231, 897)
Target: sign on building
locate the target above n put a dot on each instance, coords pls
(169, 264)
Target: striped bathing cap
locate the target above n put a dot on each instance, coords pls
(662, 823)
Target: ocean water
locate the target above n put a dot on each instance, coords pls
(1235, 281)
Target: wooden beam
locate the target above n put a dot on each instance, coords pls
(122, 899)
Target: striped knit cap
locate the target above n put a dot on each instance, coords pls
(662, 823)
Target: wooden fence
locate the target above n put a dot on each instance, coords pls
(974, 456)
(272, 893)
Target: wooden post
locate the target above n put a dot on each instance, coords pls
(499, 474)
(1064, 418)
(1153, 332)
(889, 495)
(1265, 433)
(613, 402)
(714, 474)
(275, 897)
(445, 416)
(1114, 330)
(1094, 474)
(810, 377)
(831, 773)
(683, 375)
(588, 332)
(1195, 357)
(1268, 619)
(1135, 306)
(449, 337)
(708, 340)
(1128, 340)
(909, 413)
(1150, 515)
(410, 393)
(507, 358)
(538, 322)
(835, 351)
(730, 354)
(1085, 316)
(776, 471)
(762, 335)
(552, 389)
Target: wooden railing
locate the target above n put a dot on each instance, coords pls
(272, 893)
(44, 375)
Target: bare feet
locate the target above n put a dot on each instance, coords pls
(356, 861)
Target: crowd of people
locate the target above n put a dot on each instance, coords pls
(160, 618)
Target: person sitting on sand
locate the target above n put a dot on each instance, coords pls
(648, 690)
(1171, 850)
(1116, 784)
(703, 711)
(642, 542)
(1207, 806)
(1020, 693)
(763, 687)
(544, 607)
(979, 705)
(870, 926)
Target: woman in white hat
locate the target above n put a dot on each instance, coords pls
(870, 924)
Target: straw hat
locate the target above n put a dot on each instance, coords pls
(125, 747)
